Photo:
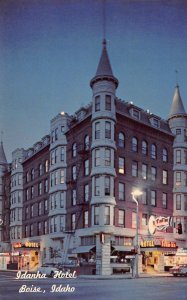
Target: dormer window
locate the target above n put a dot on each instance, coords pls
(155, 122)
(178, 131)
(136, 114)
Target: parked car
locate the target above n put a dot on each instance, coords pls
(48, 269)
(179, 270)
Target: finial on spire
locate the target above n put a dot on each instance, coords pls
(104, 21)
(176, 73)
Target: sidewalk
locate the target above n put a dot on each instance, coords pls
(124, 276)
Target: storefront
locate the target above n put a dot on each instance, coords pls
(158, 255)
(29, 255)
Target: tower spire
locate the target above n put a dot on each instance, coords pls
(177, 107)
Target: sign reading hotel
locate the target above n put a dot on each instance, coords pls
(158, 224)
(26, 245)
(157, 243)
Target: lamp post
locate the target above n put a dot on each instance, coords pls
(135, 194)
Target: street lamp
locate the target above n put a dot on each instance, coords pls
(135, 194)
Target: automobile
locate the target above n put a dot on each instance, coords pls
(179, 270)
(48, 269)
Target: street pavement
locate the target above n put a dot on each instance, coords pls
(156, 288)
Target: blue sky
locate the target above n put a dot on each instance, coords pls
(49, 51)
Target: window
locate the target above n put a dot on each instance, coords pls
(62, 176)
(45, 206)
(46, 166)
(178, 131)
(185, 179)
(86, 143)
(144, 197)
(136, 114)
(107, 185)
(32, 174)
(178, 178)
(62, 129)
(107, 130)
(55, 224)
(32, 192)
(96, 215)
(133, 220)
(144, 148)
(27, 194)
(40, 188)
(107, 157)
(121, 140)
(56, 134)
(19, 196)
(40, 169)
(153, 151)
(73, 221)
(178, 156)
(121, 217)
(144, 220)
(85, 219)
(153, 173)
(61, 223)
(74, 196)
(56, 177)
(27, 177)
(155, 122)
(86, 192)
(53, 157)
(52, 179)
(26, 231)
(97, 186)
(144, 171)
(121, 169)
(39, 228)
(134, 169)
(97, 103)
(164, 200)
(62, 154)
(39, 208)
(178, 202)
(97, 130)
(134, 144)
(153, 198)
(74, 173)
(185, 157)
(107, 215)
(107, 102)
(32, 211)
(53, 201)
(45, 227)
(31, 229)
(185, 201)
(165, 177)
(165, 155)
(62, 199)
(46, 185)
(74, 150)
(86, 167)
(19, 179)
(121, 191)
(97, 157)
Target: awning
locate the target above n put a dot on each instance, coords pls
(123, 248)
(83, 249)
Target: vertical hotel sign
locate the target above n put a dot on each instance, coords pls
(159, 223)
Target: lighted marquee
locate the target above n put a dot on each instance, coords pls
(26, 245)
(157, 243)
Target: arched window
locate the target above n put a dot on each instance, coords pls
(86, 143)
(74, 150)
(153, 151)
(144, 148)
(121, 140)
(165, 155)
(134, 145)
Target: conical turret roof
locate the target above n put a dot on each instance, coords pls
(177, 107)
(104, 70)
(2, 154)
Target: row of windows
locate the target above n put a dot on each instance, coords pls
(36, 209)
(16, 214)
(40, 228)
(16, 179)
(108, 132)
(57, 200)
(16, 197)
(181, 156)
(144, 147)
(107, 103)
(58, 155)
(180, 179)
(42, 169)
(38, 190)
(57, 177)
(181, 205)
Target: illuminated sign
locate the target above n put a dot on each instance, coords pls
(158, 223)
(26, 245)
(157, 243)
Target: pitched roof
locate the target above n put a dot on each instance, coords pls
(177, 107)
(104, 69)
(2, 154)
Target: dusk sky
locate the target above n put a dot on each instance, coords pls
(49, 51)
